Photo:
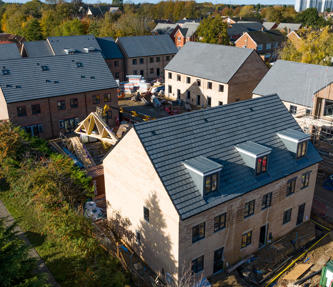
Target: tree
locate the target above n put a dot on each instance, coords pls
(315, 48)
(16, 268)
(247, 11)
(32, 30)
(213, 30)
(310, 18)
(70, 28)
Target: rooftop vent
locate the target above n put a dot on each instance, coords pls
(56, 82)
(254, 155)
(44, 68)
(205, 174)
(89, 49)
(79, 64)
(295, 141)
(5, 72)
(8, 85)
(69, 51)
(18, 87)
(47, 81)
(92, 77)
(83, 76)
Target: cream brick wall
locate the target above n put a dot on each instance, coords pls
(3, 110)
(195, 90)
(230, 237)
(131, 183)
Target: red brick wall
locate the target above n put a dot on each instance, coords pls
(246, 41)
(119, 68)
(50, 116)
(181, 41)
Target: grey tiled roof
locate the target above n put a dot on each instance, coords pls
(136, 46)
(251, 25)
(268, 25)
(58, 44)
(27, 81)
(109, 47)
(37, 49)
(261, 37)
(213, 133)
(164, 28)
(209, 61)
(294, 82)
(188, 29)
(9, 51)
(289, 26)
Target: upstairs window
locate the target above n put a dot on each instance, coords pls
(221, 88)
(134, 61)
(158, 59)
(151, 59)
(116, 63)
(74, 103)
(35, 109)
(188, 80)
(291, 185)
(219, 222)
(249, 208)
(61, 105)
(210, 85)
(179, 78)
(199, 83)
(246, 239)
(107, 98)
(301, 149)
(293, 109)
(305, 179)
(169, 89)
(21, 111)
(198, 232)
(167, 58)
(209, 101)
(210, 183)
(287, 216)
(261, 165)
(146, 214)
(268, 46)
(170, 75)
(142, 60)
(266, 200)
(259, 47)
(96, 99)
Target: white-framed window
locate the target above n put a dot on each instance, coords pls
(268, 46)
(259, 47)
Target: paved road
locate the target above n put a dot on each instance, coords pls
(9, 220)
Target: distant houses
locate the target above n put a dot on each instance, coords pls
(49, 95)
(147, 55)
(209, 75)
(266, 43)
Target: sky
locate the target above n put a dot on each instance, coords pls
(242, 2)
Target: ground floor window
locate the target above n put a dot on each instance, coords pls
(328, 110)
(198, 264)
(246, 239)
(34, 130)
(68, 125)
(287, 216)
(218, 260)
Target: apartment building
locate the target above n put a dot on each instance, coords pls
(82, 44)
(147, 55)
(212, 186)
(305, 89)
(266, 43)
(209, 75)
(49, 95)
(320, 5)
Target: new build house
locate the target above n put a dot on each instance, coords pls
(210, 75)
(147, 55)
(49, 95)
(306, 91)
(212, 186)
(81, 44)
(266, 43)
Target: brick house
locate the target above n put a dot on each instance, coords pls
(54, 46)
(211, 75)
(48, 95)
(306, 91)
(147, 55)
(210, 187)
(266, 43)
(185, 33)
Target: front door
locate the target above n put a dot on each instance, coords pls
(263, 235)
(300, 214)
(218, 260)
(158, 72)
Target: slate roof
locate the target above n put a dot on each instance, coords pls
(58, 44)
(38, 49)
(289, 26)
(109, 47)
(206, 61)
(268, 25)
(294, 82)
(213, 133)
(27, 81)
(263, 37)
(188, 29)
(9, 51)
(236, 29)
(251, 25)
(141, 46)
(164, 28)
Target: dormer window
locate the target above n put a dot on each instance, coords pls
(261, 165)
(254, 156)
(205, 174)
(210, 183)
(301, 149)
